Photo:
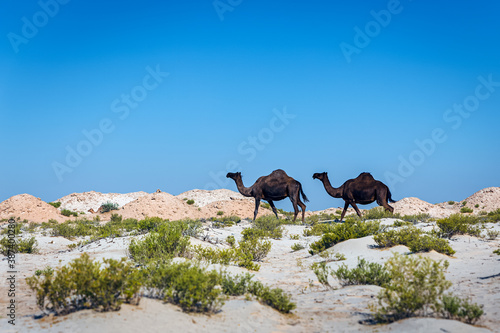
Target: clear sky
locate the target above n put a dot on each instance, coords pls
(122, 96)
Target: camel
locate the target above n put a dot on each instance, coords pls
(273, 187)
(363, 190)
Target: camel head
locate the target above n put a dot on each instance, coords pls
(233, 175)
(320, 176)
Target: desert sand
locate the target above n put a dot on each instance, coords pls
(474, 270)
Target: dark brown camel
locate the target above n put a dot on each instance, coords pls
(276, 186)
(363, 190)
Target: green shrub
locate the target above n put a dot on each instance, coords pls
(226, 221)
(264, 226)
(364, 273)
(466, 210)
(451, 202)
(12, 228)
(343, 231)
(426, 243)
(108, 206)
(196, 289)
(378, 213)
(214, 256)
(494, 216)
(460, 309)
(393, 237)
(422, 217)
(497, 251)
(402, 224)
(71, 229)
(314, 219)
(230, 240)
(150, 223)
(492, 234)
(322, 271)
(414, 238)
(415, 288)
(166, 243)
(67, 212)
(55, 204)
(187, 284)
(476, 206)
(297, 247)
(190, 201)
(18, 245)
(84, 284)
(458, 224)
(220, 213)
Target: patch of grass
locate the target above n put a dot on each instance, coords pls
(108, 206)
(322, 271)
(166, 243)
(399, 223)
(85, 284)
(225, 221)
(314, 219)
(13, 229)
(363, 274)
(466, 210)
(71, 229)
(422, 217)
(220, 213)
(458, 224)
(55, 204)
(11, 245)
(340, 232)
(416, 288)
(415, 239)
(196, 289)
(265, 226)
(494, 216)
(492, 234)
(67, 212)
(378, 213)
(297, 247)
(460, 309)
(150, 224)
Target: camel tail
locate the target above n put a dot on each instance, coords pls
(303, 194)
(389, 196)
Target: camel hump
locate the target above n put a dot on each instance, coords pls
(366, 175)
(278, 172)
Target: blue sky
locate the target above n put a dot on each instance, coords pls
(139, 95)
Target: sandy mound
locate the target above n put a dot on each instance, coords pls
(487, 199)
(171, 207)
(30, 208)
(83, 202)
(161, 204)
(203, 197)
(243, 208)
(413, 206)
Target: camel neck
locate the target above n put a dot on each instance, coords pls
(334, 192)
(246, 191)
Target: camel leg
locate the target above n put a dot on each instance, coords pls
(353, 204)
(346, 205)
(275, 211)
(303, 208)
(382, 201)
(257, 203)
(295, 209)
